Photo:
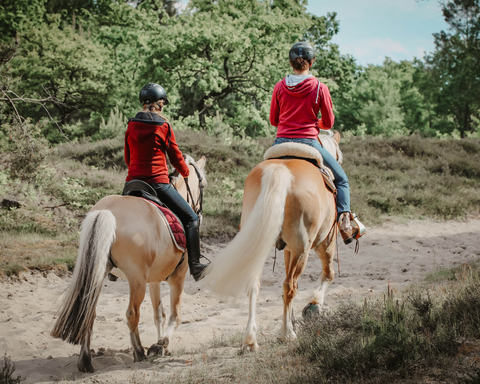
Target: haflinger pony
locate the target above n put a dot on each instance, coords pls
(130, 233)
(287, 203)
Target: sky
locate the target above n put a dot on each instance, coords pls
(373, 29)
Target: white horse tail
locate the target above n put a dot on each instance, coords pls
(237, 268)
(77, 312)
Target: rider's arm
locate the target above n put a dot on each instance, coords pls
(274, 107)
(176, 157)
(127, 150)
(328, 118)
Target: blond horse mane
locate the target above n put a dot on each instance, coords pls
(175, 175)
(329, 143)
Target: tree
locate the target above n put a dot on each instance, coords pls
(373, 105)
(66, 64)
(225, 57)
(456, 64)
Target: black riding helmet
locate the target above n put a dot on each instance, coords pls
(151, 93)
(303, 50)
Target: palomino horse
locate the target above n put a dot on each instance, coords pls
(129, 232)
(284, 202)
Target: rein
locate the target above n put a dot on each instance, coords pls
(198, 205)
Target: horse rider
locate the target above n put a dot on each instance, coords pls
(296, 102)
(146, 147)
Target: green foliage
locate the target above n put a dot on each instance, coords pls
(383, 100)
(22, 142)
(114, 127)
(16, 14)
(69, 65)
(226, 56)
(454, 65)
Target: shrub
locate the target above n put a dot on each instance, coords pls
(7, 368)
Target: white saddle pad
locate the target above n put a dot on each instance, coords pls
(297, 150)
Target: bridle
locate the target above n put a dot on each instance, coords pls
(198, 205)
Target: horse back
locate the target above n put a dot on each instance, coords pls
(143, 243)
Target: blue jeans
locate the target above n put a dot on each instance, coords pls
(341, 179)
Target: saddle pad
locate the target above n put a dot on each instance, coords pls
(301, 150)
(174, 225)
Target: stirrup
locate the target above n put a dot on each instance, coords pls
(361, 228)
(357, 231)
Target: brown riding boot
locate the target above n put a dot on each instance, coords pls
(350, 227)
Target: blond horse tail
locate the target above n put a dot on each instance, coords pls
(77, 312)
(237, 268)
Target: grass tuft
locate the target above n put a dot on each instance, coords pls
(7, 369)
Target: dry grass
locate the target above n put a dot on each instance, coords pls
(19, 252)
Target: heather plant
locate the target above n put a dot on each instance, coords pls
(7, 369)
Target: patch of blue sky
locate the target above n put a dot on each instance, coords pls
(370, 30)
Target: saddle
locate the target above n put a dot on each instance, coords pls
(143, 190)
(302, 152)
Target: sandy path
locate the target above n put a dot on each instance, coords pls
(392, 254)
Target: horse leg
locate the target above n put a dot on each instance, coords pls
(176, 281)
(85, 358)
(137, 294)
(295, 262)
(250, 340)
(158, 317)
(325, 252)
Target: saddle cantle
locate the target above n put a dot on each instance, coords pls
(303, 152)
(139, 188)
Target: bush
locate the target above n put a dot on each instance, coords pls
(7, 368)
(381, 342)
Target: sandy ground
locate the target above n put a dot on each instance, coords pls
(392, 254)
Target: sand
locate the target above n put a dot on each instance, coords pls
(392, 254)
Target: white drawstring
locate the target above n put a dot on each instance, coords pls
(318, 91)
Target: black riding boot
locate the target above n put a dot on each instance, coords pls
(193, 248)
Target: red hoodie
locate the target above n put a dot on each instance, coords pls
(145, 145)
(294, 110)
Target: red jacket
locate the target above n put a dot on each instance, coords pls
(294, 110)
(145, 145)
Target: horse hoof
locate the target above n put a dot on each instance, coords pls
(156, 350)
(164, 342)
(137, 357)
(86, 367)
(250, 347)
(311, 310)
(285, 338)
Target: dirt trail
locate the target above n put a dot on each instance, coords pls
(393, 254)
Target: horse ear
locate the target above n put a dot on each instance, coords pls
(336, 137)
(201, 162)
